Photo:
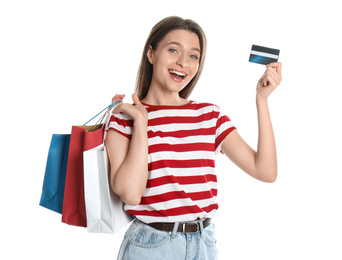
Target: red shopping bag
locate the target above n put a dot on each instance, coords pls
(82, 138)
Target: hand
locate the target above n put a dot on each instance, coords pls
(137, 111)
(118, 97)
(270, 80)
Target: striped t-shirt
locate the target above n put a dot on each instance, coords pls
(182, 144)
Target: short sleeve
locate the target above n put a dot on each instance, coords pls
(224, 127)
(121, 123)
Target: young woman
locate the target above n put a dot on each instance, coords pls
(162, 148)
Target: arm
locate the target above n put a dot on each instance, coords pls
(128, 158)
(260, 164)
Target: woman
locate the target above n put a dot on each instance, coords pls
(162, 148)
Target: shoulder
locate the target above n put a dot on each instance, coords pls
(121, 117)
(203, 104)
(206, 107)
(122, 123)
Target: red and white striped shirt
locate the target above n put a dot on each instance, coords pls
(182, 144)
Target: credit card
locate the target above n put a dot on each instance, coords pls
(263, 55)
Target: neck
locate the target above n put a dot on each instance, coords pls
(160, 98)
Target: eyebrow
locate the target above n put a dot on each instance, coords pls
(177, 43)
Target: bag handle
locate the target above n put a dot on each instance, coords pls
(103, 116)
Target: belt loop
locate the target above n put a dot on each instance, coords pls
(174, 231)
(201, 227)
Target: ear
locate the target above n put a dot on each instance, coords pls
(150, 55)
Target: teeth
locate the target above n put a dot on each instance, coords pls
(177, 73)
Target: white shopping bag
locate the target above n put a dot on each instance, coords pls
(104, 209)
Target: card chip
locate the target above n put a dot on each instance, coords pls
(263, 55)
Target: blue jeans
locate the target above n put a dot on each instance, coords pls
(143, 242)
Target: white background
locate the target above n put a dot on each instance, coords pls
(62, 61)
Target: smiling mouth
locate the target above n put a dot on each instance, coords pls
(177, 75)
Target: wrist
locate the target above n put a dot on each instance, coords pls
(140, 122)
(260, 99)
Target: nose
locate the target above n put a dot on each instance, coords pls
(182, 61)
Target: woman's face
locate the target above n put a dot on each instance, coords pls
(175, 61)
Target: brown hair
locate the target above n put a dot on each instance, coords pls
(157, 34)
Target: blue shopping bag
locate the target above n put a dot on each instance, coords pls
(55, 173)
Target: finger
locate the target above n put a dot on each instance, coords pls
(270, 72)
(136, 99)
(114, 99)
(263, 80)
(118, 97)
(271, 81)
(276, 76)
(276, 66)
(266, 79)
(274, 73)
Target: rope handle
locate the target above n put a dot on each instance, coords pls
(103, 116)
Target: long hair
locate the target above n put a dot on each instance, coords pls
(157, 34)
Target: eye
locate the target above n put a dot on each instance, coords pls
(173, 50)
(194, 57)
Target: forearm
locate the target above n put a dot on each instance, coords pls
(260, 164)
(266, 157)
(130, 179)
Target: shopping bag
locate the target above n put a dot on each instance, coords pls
(55, 172)
(82, 137)
(105, 212)
(105, 209)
